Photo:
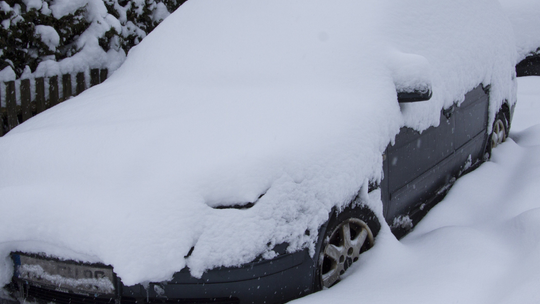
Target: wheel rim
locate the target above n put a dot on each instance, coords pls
(499, 133)
(343, 248)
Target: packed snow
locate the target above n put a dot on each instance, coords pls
(230, 100)
(480, 245)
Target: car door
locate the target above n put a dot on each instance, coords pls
(414, 165)
(471, 120)
(421, 164)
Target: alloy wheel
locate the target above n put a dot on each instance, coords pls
(342, 248)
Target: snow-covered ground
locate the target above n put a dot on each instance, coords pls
(481, 244)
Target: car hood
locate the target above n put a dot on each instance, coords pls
(223, 104)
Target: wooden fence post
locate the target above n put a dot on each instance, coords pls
(26, 111)
(94, 77)
(1, 115)
(12, 114)
(81, 83)
(40, 95)
(66, 87)
(53, 91)
(103, 75)
(11, 105)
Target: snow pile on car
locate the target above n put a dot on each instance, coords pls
(230, 100)
(525, 18)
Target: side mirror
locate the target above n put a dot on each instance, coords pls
(414, 95)
(412, 76)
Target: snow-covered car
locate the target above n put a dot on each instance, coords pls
(250, 151)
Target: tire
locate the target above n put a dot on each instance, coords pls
(499, 132)
(346, 236)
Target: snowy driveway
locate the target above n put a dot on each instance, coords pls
(481, 244)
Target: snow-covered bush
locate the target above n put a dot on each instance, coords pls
(37, 35)
(30, 34)
(139, 17)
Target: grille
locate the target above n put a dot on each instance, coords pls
(48, 295)
(127, 300)
(43, 295)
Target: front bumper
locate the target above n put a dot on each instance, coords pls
(284, 278)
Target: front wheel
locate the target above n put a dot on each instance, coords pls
(347, 235)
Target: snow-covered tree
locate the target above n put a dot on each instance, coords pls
(139, 17)
(30, 34)
(89, 32)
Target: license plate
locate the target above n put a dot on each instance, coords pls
(66, 276)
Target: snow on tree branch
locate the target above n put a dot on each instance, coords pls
(46, 37)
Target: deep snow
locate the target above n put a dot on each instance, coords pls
(480, 245)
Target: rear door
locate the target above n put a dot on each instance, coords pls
(471, 119)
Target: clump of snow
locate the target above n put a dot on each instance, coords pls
(161, 12)
(468, 163)
(33, 4)
(45, 10)
(61, 8)
(411, 72)
(8, 75)
(225, 101)
(403, 222)
(525, 18)
(48, 35)
(159, 290)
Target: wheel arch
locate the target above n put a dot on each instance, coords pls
(361, 211)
